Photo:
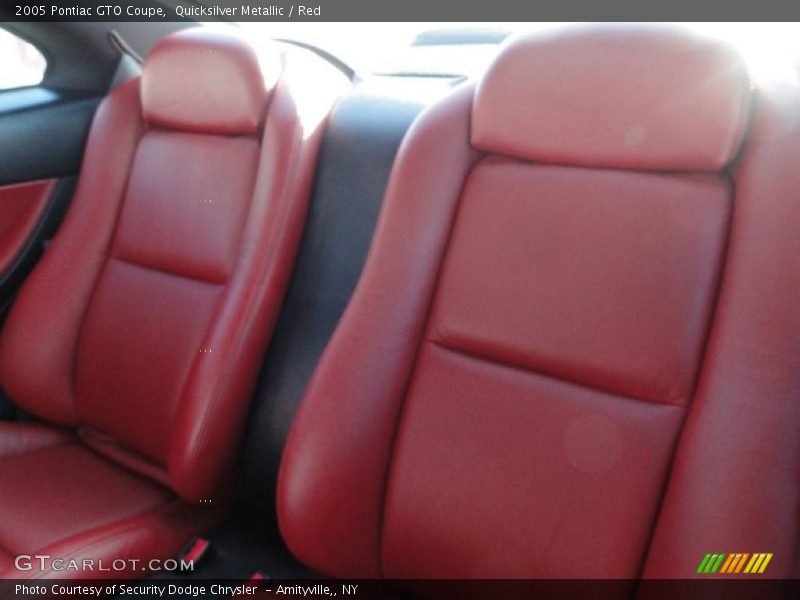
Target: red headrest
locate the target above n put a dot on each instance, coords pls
(615, 96)
(204, 81)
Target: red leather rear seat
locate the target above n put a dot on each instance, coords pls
(581, 267)
(139, 335)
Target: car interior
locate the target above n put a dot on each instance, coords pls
(518, 305)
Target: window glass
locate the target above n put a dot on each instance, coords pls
(21, 63)
(771, 49)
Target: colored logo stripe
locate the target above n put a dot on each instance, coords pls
(736, 562)
(710, 563)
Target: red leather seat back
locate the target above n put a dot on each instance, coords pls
(145, 323)
(564, 337)
(506, 390)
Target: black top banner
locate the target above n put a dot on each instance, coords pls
(397, 10)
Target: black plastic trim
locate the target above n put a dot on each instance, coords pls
(42, 137)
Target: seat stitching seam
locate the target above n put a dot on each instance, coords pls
(165, 271)
(546, 374)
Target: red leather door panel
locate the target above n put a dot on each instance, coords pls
(21, 207)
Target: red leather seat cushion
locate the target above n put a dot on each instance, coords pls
(85, 506)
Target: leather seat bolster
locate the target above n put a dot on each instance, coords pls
(735, 483)
(246, 314)
(331, 486)
(36, 375)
